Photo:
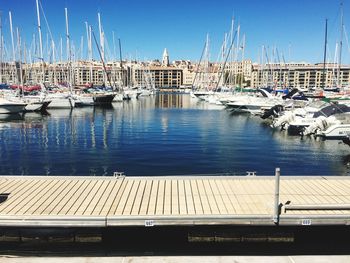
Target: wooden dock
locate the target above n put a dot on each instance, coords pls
(182, 200)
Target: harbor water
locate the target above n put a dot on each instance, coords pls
(167, 134)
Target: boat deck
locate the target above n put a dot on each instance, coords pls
(181, 200)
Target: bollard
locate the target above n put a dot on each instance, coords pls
(276, 214)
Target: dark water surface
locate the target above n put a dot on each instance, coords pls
(169, 134)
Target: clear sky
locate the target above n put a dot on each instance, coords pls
(294, 27)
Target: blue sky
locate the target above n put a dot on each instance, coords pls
(145, 28)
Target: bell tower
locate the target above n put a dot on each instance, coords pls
(165, 59)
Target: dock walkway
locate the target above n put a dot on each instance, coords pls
(181, 200)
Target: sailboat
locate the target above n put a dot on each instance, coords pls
(8, 106)
(97, 96)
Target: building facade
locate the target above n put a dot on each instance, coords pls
(301, 75)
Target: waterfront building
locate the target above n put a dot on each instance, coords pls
(300, 75)
(238, 73)
(178, 74)
(166, 77)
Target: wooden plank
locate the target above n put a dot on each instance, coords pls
(225, 197)
(189, 198)
(167, 197)
(152, 204)
(78, 202)
(214, 209)
(227, 186)
(36, 195)
(203, 197)
(218, 196)
(182, 198)
(22, 196)
(131, 198)
(136, 207)
(338, 188)
(92, 197)
(124, 197)
(196, 198)
(175, 210)
(247, 205)
(9, 185)
(160, 198)
(40, 200)
(17, 194)
(58, 191)
(55, 206)
(106, 195)
(346, 186)
(111, 203)
(75, 195)
(145, 201)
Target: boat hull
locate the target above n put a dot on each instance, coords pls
(105, 99)
(11, 108)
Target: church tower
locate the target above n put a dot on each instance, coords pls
(165, 59)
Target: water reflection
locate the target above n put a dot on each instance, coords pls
(143, 137)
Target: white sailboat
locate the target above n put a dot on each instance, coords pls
(10, 106)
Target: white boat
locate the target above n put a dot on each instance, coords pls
(326, 117)
(9, 106)
(299, 117)
(94, 99)
(131, 93)
(60, 101)
(254, 104)
(36, 102)
(118, 97)
(336, 131)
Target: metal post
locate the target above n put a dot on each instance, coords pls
(276, 214)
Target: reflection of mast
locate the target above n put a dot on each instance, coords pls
(93, 134)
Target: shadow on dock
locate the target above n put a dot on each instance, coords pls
(160, 241)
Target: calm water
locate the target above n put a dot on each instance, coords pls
(169, 134)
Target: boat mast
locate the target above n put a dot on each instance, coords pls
(198, 66)
(20, 61)
(61, 50)
(103, 62)
(121, 65)
(341, 42)
(243, 49)
(230, 75)
(13, 48)
(67, 36)
(40, 40)
(90, 55)
(323, 85)
(88, 37)
(227, 56)
(68, 51)
(1, 48)
(102, 50)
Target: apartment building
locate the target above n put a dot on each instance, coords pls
(302, 75)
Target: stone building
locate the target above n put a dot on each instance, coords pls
(300, 75)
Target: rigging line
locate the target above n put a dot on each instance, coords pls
(46, 22)
(48, 28)
(228, 54)
(347, 39)
(198, 66)
(103, 62)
